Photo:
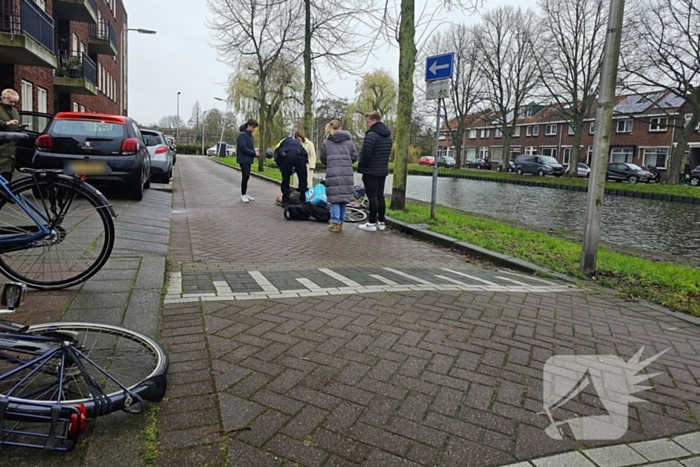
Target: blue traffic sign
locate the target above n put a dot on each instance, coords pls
(439, 67)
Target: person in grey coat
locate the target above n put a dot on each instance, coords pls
(338, 152)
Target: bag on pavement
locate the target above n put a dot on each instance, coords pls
(318, 213)
(317, 195)
(296, 212)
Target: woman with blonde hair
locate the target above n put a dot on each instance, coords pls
(338, 152)
(311, 151)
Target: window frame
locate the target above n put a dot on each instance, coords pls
(472, 133)
(624, 130)
(548, 127)
(656, 150)
(535, 130)
(658, 128)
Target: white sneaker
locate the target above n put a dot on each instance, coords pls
(369, 227)
(244, 199)
(381, 226)
(250, 198)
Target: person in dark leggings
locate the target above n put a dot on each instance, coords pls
(245, 154)
(374, 167)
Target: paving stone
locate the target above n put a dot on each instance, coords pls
(690, 442)
(691, 462)
(296, 451)
(660, 449)
(614, 456)
(570, 459)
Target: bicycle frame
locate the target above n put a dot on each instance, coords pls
(32, 212)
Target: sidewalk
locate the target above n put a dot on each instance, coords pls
(126, 292)
(289, 344)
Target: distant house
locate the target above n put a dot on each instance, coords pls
(645, 129)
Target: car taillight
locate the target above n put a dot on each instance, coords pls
(44, 142)
(130, 146)
(161, 150)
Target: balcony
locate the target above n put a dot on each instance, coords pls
(83, 11)
(102, 38)
(75, 75)
(26, 34)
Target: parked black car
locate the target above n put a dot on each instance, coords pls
(36, 124)
(108, 149)
(695, 176)
(538, 165)
(479, 164)
(511, 166)
(446, 161)
(627, 172)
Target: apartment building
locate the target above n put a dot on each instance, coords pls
(64, 55)
(645, 129)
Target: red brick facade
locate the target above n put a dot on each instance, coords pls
(71, 39)
(645, 137)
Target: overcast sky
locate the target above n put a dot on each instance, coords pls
(179, 58)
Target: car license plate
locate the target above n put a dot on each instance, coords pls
(85, 168)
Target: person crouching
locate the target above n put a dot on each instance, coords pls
(291, 156)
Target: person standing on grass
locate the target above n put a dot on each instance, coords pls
(245, 155)
(374, 167)
(338, 153)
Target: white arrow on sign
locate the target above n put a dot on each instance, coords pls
(435, 67)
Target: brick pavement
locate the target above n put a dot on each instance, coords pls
(421, 377)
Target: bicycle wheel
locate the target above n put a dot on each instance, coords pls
(81, 239)
(127, 356)
(355, 215)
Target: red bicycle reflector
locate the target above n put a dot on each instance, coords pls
(78, 422)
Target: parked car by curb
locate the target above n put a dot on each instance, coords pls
(538, 165)
(627, 172)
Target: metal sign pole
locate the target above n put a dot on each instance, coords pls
(433, 195)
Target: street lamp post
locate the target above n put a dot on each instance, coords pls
(177, 122)
(122, 91)
(204, 114)
(223, 117)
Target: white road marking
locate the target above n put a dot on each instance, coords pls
(532, 278)
(408, 276)
(308, 284)
(222, 288)
(511, 280)
(340, 277)
(470, 277)
(383, 279)
(262, 281)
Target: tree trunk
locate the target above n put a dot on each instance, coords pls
(407, 65)
(459, 143)
(678, 154)
(308, 85)
(505, 157)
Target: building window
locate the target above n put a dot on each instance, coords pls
(658, 124)
(82, 108)
(624, 126)
(74, 45)
(514, 151)
(530, 150)
(589, 155)
(550, 152)
(41, 100)
(536, 130)
(26, 97)
(497, 133)
(571, 129)
(566, 156)
(550, 130)
(483, 152)
(688, 117)
(621, 155)
(656, 157)
(528, 131)
(472, 134)
(516, 132)
(485, 133)
(41, 4)
(76, 107)
(471, 154)
(591, 128)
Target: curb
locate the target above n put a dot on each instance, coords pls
(500, 259)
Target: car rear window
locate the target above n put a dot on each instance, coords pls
(71, 128)
(152, 139)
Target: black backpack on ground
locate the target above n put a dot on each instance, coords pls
(296, 212)
(317, 213)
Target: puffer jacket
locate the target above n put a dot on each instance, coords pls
(7, 150)
(338, 152)
(245, 147)
(376, 151)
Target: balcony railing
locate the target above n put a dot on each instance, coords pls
(31, 20)
(93, 4)
(81, 67)
(104, 31)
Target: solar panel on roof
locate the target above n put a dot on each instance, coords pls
(671, 101)
(637, 103)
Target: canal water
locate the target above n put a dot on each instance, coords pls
(657, 226)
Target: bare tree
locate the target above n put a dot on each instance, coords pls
(253, 36)
(466, 85)
(569, 58)
(509, 68)
(662, 51)
(171, 121)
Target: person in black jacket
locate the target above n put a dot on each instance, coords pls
(245, 154)
(291, 156)
(374, 167)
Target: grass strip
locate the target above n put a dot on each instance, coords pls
(270, 171)
(671, 285)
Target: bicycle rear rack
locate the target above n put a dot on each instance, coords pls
(41, 426)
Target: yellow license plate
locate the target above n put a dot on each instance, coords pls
(86, 168)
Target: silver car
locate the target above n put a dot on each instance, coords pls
(162, 156)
